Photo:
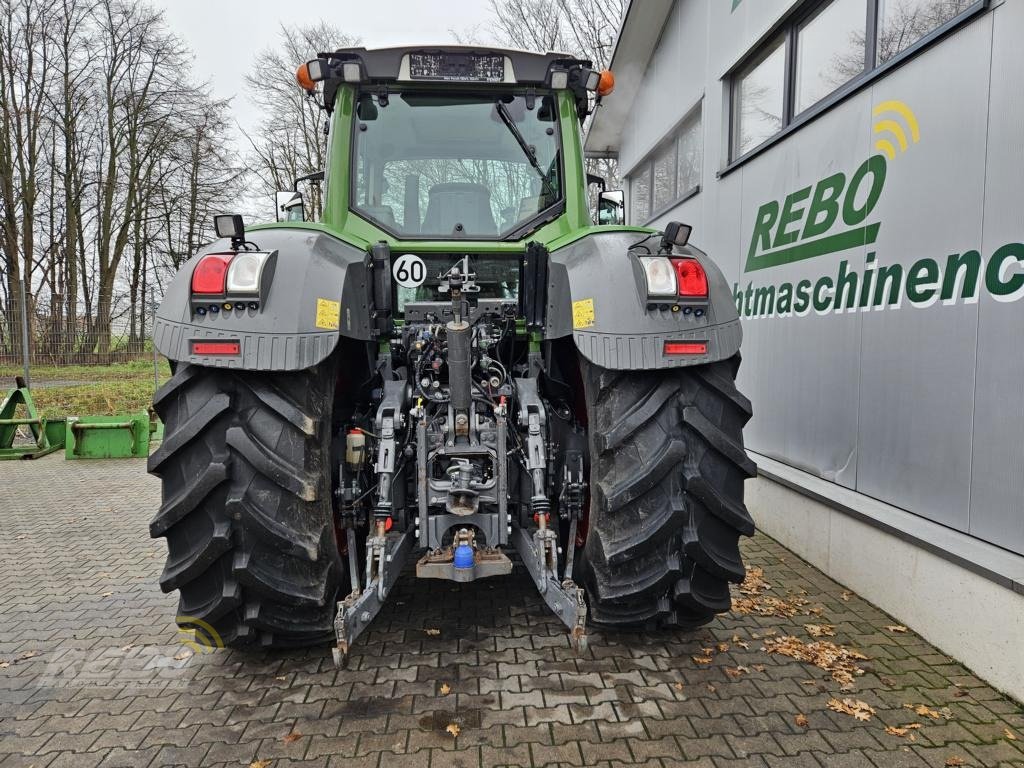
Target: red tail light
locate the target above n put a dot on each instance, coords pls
(211, 273)
(216, 348)
(692, 280)
(686, 347)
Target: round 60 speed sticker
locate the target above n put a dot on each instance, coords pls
(409, 270)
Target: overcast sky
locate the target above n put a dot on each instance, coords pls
(226, 34)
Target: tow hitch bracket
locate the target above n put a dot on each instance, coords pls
(356, 611)
(565, 598)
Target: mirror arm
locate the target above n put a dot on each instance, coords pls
(315, 176)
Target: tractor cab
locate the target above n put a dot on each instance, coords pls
(455, 143)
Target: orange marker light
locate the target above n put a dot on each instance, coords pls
(606, 84)
(303, 79)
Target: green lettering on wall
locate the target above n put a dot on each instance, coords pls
(822, 303)
(784, 303)
(825, 203)
(762, 237)
(874, 165)
(764, 300)
(923, 280)
(994, 281)
(970, 263)
(892, 274)
(803, 296)
(790, 215)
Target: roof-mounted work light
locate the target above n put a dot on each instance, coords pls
(558, 78)
(230, 225)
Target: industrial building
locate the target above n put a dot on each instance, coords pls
(856, 168)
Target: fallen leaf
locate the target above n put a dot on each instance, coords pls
(707, 651)
(734, 673)
(678, 686)
(835, 659)
(19, 538)
(445, 689)
(293, 736)
(432, 632)
(453, 729)
(1009, 734)
(28, 655)
(820, 630)
(711, 688)
(259, 764)
(701, 659)
(897, 628)
(127, 647)
(182, 656)
(847, 595)
(735, 638)
(923, 710)
(892, 730)
(758, 667)
(4, 664)
(954, 760)
(722, 647)
(802, 720)
(281, 678)
(854, 707)
(106, 594)
(743, 645)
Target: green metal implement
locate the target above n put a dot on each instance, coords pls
(48, 433)
(107, 437)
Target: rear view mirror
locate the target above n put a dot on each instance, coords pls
(289, 206)
(611, 207)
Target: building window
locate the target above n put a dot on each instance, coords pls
(760, 98)
(640, 194)
(823, 46)
(830, 49)
(670, 173)
(901, 23)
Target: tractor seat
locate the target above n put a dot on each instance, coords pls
(459, 203)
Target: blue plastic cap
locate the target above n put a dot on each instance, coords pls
(463, 556)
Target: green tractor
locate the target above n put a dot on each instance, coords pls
(454, 364)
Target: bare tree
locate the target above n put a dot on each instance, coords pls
(290, 141)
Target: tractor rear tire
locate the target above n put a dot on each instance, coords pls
(247, 513)
(666, 502)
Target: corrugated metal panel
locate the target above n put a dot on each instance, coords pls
(997, 474)
(802, 373)
(917, 374)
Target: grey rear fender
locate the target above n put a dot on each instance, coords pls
(597, 294)
(317, 293)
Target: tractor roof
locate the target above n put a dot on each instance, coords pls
(454, 64)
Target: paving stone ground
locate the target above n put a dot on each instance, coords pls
(92, 671)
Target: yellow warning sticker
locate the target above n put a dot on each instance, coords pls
(328, 313)
(583, 313)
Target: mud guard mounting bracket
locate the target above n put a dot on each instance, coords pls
(539, 552)
(357, 610)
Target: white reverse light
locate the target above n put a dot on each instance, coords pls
(661, 276)
(559, 79)
(351, 72)
(245, 271)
